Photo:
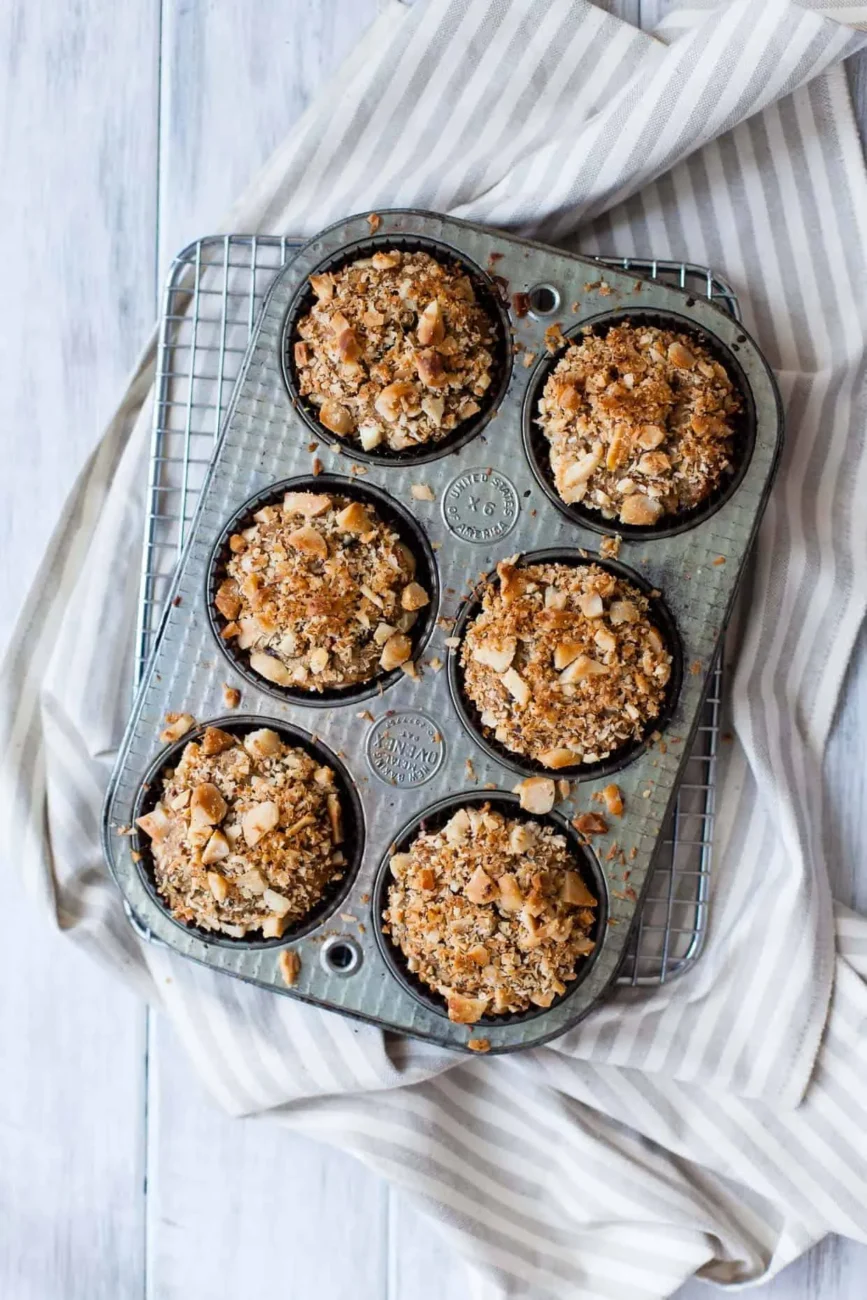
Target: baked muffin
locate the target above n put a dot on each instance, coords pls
(563, 663)
(640, 423)
(320, 593)
(397, 351)
(246, 834)
(491, 912)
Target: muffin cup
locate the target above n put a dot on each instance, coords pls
(537, 448)
(149, 793)
(487, 296)
(469, 714)
(433, 818)
(410, 533)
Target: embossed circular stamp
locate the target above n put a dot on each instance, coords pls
(405, 748)
(481, 505)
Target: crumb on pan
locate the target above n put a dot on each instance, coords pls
(290, 966)
(177, 725)
(563, 663)
(639, 422)
(246, 834)
(396, 350)
(320, 592)
(491, 912)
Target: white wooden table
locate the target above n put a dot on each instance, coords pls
(125, 131)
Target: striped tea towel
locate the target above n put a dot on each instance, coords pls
(717, 1125)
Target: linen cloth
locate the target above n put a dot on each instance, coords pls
(716, 1125)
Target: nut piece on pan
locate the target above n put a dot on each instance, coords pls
(258, 820)
(640, 509)
(309, 541)
(464, 1010)
(575, 891)
(431, 326)
(537, 794)
(290, 966)
(216, 741)
(396, 651)
(264, 743)
(308, 504)
(155, 824)
(613, 800)
(414, 596)
(178, 725)
(216, 849)
(336, 418)
(354, 518)
(559, 757)
(271, 668)
(207, 806)
(498, 656)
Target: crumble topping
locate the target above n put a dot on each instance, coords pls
(563, 662)
(396, 351)
(640, 423)
(246, 834)
(320, 592)
(491, 912)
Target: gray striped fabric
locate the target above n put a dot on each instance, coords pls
(718, 1124)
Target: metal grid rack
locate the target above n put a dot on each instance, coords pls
(213, 294)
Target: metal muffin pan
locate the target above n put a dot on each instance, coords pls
(488, 505)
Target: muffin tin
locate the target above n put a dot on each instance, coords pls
(403, 748)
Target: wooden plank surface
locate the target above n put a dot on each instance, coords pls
(78, 87)
(176, 105)
(235, 1204)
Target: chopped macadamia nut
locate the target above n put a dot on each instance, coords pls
(244, 837)
(537, 794)
(422, 492)
(640, 422)
(231, 696)
(395, 652)
(587, 670)
(396, 350)
(317, 578)
(490, 941)
(290, 966)
(177, 725)
(613, 800)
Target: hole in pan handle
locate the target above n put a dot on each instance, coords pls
(544, 299)
(340, 955)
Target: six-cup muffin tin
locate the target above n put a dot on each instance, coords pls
(403, 749)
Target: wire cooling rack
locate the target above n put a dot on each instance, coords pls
(213, 294)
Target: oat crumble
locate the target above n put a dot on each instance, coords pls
(563, 662)
(246, 834)
(491, 912)
(640, 423)
(320, 592)
(396, 351)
